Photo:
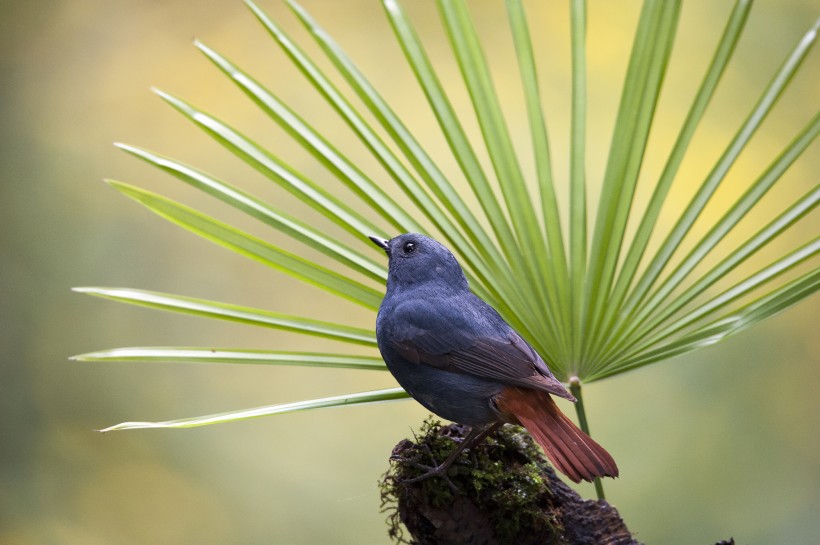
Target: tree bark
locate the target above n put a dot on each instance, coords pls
(501, 492)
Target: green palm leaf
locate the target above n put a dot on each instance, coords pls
(489, 264)
(594, 304)
(637, 249)
(252, 247)
(234, 355)
(233, 313)
(265, 213)
(376, 396)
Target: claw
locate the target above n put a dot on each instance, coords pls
(474, 437)
(436, 470)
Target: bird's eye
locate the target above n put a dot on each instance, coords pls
(409, 247)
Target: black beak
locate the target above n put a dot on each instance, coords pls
(380, 242)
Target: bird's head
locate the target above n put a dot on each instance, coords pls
(416, 259)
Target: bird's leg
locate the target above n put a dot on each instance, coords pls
(473, 438)
(484, 433)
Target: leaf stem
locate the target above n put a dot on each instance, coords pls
(575, 389)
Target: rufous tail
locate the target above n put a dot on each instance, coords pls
(571, 451)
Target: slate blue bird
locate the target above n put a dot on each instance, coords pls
(455, 355)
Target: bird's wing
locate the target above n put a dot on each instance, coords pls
(446, 337)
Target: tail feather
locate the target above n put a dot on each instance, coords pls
(570, 450)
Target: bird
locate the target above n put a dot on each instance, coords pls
(455, 355)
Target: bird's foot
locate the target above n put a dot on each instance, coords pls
(436, 470)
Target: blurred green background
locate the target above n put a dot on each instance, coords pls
(717, 444)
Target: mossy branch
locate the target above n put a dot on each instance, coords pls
(503, 492)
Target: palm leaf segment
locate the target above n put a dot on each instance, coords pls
(594, 304)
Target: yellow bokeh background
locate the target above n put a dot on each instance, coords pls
(714, 444)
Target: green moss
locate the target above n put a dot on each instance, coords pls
(501, 477)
